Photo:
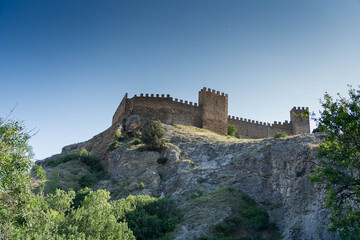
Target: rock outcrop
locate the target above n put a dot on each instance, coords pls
(274, 172)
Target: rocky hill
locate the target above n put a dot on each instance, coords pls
(207, 174)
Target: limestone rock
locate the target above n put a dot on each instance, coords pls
(271, 171)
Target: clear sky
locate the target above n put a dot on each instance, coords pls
(68, 63)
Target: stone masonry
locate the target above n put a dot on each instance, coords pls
(211, 113)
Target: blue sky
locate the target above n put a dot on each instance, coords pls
(68, 63)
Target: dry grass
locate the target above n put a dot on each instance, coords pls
(207, 135)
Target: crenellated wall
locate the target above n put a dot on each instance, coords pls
(211, 113)
(160, 107)
(254, 129)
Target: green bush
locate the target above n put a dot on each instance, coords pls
(221, 228)
(114, 145)
(141, 185)
(74, 155)
(280, 135)
(88, 180)
(93, 163)
(118, 136)
(256, 218)
(54, 181)
(161, 160)
(153, 137)
(136, 141)
(232, 130)
(40, 173)
(203, 237)
(152, 218)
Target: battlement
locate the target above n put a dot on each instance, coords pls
(163, 97)
(300, 109)
(211, 112)
(212, 91)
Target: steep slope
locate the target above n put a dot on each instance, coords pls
(274, 172)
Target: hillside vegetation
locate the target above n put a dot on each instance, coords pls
(271, 195)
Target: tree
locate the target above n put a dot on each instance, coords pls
(232, 130)
(28, 215)
(339, 169)
(16, 198)
(153, 137)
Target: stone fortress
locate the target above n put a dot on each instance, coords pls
(210, 113)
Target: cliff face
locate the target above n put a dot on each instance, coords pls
(274, 172)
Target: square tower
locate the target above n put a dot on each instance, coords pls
(300, 122)
(214, 110)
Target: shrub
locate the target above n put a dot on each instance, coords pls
(87, 180)
(93, 163)
(257, 218)
(153, 137)
(40, 173)
(114, 145)
(151, 218)
(118, 136)
(204, 237)
(136, 141)
(239, 136)
(74, 155)
(232, 130)
(280, 135)
(80, 196)
(141, 185)
(54, 181)
(161, 160)
(221, 228)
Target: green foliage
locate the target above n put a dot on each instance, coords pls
(256, 218)
(118, 136)
(16, 199)
(340, 162)
(141, 185)
(40, 174)
(149, 218)
(232, 130)
(114, 145)
(136, 141)
(153, 137)
(250, 219)
(92, 162)
(161, 160)
(280, 135)
(54, 181)
(96, 169)
(65, 214)
(87, 180)
(80, 196)
(74, 155)
(316, 130)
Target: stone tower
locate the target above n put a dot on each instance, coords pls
(300, 120)
(214, 110)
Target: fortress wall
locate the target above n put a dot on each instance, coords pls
(249, 128)
(254, 129)
(165, 109)
(211, 113)
(280, 127)
(120, 111)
